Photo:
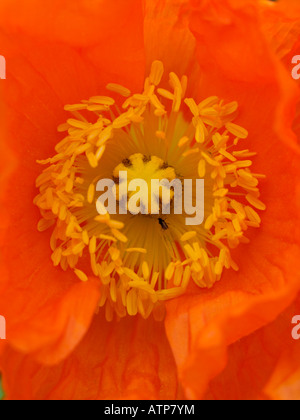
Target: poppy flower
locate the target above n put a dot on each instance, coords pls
(121, 306)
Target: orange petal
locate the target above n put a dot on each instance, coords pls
(281, 21)
(263, 365)
(130, 359)
(46, 319)
(169, 39)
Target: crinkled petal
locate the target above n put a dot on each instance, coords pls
(130, 359)
(168, 37)
(263, 365)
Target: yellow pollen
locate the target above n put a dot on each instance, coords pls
(141, 250)
(107, 238)
(188, 235)
(121, 90)
(81, 275)
(146, 271)
(183, 141)
(91, 193)
(144, 259)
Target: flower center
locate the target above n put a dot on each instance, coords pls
(146, 256)
(139, 172)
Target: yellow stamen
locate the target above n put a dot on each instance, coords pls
(188, 236)
(146, 270)
(140, 250)
(183, 141)
(91, 193)
(143, 260)
(121, 90)
(157, 72)
(81, 275)
(237, 131)
(201, 168)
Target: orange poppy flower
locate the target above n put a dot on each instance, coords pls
(143, 307)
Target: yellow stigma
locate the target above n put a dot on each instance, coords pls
(145, 168)
(142, 260)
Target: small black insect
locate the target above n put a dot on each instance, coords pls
(163, 224)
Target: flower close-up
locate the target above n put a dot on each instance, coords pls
(150, 200)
